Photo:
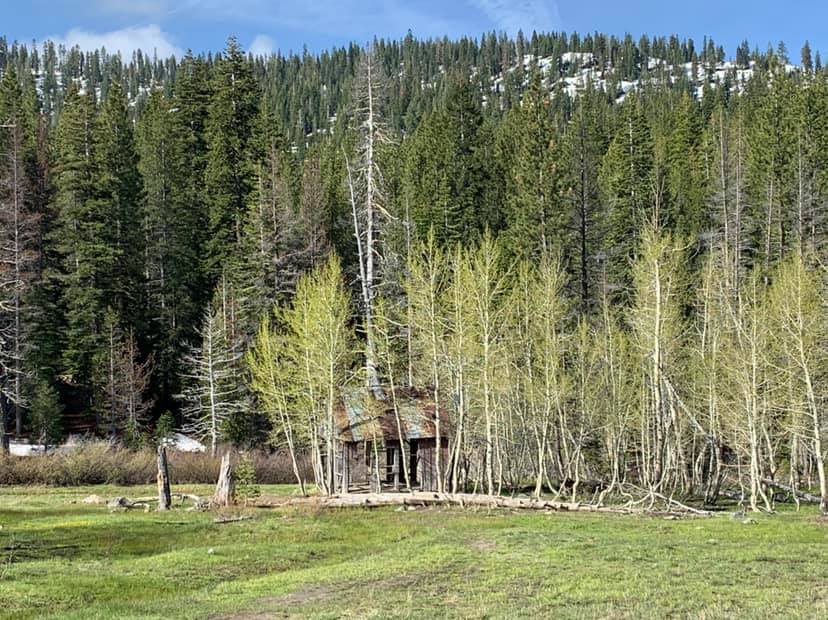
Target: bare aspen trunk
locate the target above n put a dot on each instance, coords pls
(288, 430)
(438, 465)
(813, 411)
(164, 497)
(487, 415)
(402, 453)
(329, 431)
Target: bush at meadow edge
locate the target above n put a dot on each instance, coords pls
(102, 463)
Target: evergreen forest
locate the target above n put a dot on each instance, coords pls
(602, 259)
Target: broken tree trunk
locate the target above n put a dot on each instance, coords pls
(225, 487)
(164, 496)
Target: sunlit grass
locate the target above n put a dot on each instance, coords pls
(63, 558)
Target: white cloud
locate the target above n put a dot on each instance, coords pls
(262, 45)
(148, 39)
(526, 15)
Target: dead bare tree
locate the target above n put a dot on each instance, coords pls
(127, 381)
(19, 258)
(367, 197)
(212, 393)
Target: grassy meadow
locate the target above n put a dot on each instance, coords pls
(60, 558)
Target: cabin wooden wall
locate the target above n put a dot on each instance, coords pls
(356, 463)
(427, 462)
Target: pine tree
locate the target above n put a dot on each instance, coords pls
(45, 410)
(229, 177)
(83, 237)
(118, 185)
(583, 148)
(685, 211)
(627, 189)
(538, 224)
(281, 240)
(806, 60)
(771, 143)
(173, 151)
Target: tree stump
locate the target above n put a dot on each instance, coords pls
(164, 495)
(225, 487)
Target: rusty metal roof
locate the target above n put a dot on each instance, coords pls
(362, 417)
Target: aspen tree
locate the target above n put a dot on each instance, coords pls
(657, 323)
(319, 342)
(424, 289)
(746, 370)
(273, 380)
(460, 354)
(798, 326)
(487, 286)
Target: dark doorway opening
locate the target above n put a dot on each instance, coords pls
(413, 461)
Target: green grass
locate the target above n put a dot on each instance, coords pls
(61, 558)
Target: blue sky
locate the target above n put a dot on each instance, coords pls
(265, 25)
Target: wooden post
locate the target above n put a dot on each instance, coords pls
(225, 487)
(164, 496)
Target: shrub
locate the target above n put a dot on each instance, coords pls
(246, 487)
(99, 462)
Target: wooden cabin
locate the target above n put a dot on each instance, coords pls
(385, 441)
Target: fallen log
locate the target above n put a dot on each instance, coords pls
(805, 497)
(232, 519)
(199, 503)
(122, 503)
(463, 500)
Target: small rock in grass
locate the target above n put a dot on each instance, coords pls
(117, 503)
(748, 522)
(94, 499)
